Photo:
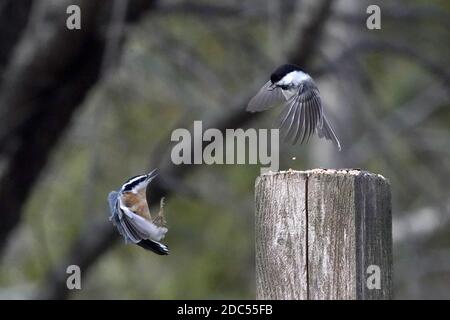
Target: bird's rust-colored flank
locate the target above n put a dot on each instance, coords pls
(137, 203)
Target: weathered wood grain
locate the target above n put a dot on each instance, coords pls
(281, 236)
(331, 236)
(374, 239)
(318, 231)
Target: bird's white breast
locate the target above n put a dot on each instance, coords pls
(293, 80)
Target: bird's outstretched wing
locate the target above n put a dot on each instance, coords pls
(266, 98)
(138, 228)
(302, 114)
(131, 226)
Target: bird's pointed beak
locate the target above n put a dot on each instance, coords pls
(272, 87)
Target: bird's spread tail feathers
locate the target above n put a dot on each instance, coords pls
(328, 132)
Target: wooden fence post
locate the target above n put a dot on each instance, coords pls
(323, 234)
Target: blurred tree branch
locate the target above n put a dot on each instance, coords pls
(381, 135)
(45, 81)
(421, 223)
(101, 236)
(32, 132)
(378, 45)
(203, 9)
(13, 18)
(430, 13)
(311, 35)
(405, 117)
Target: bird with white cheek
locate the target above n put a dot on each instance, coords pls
(131, 216)
(303, 114)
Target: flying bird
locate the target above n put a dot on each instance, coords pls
(303, 114)
(131, 216)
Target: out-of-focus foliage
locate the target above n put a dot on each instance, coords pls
(385, 91)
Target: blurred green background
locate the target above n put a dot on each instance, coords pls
(84, 110)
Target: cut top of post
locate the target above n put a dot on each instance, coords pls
(353, 172)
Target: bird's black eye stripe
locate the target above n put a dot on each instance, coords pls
(128, 186)
(132, 178)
